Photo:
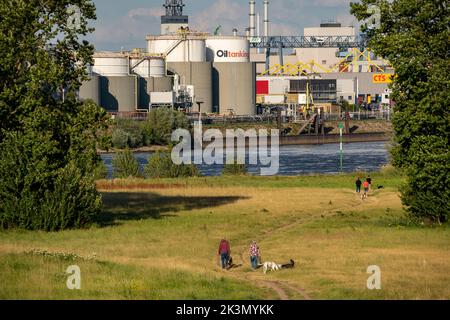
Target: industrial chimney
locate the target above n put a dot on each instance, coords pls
(266, 18)
(252, 18)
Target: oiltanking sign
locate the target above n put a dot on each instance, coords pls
(383, 78)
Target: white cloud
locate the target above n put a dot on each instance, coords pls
(154, 12)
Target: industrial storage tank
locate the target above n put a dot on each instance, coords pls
(182, 49)
(227, 49)
(199, 75)
(150, 67)
(111, 64)
(234, 87)
(119, 94)
(90, 89)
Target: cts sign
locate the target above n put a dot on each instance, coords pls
(383, 78)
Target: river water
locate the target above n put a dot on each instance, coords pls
(304, 160)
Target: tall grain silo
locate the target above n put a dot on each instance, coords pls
(199, 75)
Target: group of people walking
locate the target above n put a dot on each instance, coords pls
(367, 185)
(225, 254)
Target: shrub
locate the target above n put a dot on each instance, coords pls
(35, 198)
(120, 138)
(160, 166)
(126, 166)
(161, 123)
(234, 170)
(100, 172)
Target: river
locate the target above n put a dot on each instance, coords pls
(305, 160)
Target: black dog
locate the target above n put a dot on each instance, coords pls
(380, 187)
(288, 265)
(231, 265)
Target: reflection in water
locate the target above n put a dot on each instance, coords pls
(303, 160)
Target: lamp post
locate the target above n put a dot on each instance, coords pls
(341, 127)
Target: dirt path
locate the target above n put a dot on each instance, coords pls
(277, 286)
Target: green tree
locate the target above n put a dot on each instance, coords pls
(48, 139)
(126, 166)
(160, 166)
(414, 36)
(161, 123)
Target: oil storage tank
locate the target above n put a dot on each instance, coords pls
(199, 75)
(111, 64)
(189, 48)
(149, 67)
(90, 89)
(227, 49)
(119, 94)
(234, 87)
(118, 88)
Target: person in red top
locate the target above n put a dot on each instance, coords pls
(224, 252)
(366, 186)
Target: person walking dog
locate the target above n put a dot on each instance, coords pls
(224, 252)
(254, 254)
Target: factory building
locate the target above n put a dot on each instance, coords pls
(200, 72)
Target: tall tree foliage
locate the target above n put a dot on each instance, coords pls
(414, 35)
(48, 138)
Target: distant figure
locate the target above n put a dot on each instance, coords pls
(366, 186)
(358, 184)
(224, 253)
(369, 180)
(254, 254)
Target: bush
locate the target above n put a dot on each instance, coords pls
(34, 197)
(126, 166)
(234, 170)
(100, 172)
(120, 138)
(161, 166)
(161, 123)
(128, 133)
(426, 193)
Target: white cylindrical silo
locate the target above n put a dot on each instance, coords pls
(157, 68)
(177, 49)
(228, 49)
(111, 64)
(150, 67)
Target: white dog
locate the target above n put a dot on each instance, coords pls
(271, 266)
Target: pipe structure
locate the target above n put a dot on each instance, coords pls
(252, 18)
(266, 18)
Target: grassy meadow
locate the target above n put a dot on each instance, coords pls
(159, 239)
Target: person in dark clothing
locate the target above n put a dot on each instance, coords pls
(224, 252)
(358, 184)
(369, 180)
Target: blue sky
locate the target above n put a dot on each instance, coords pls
(125, 23)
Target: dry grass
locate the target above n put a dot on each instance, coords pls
(330, 232)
